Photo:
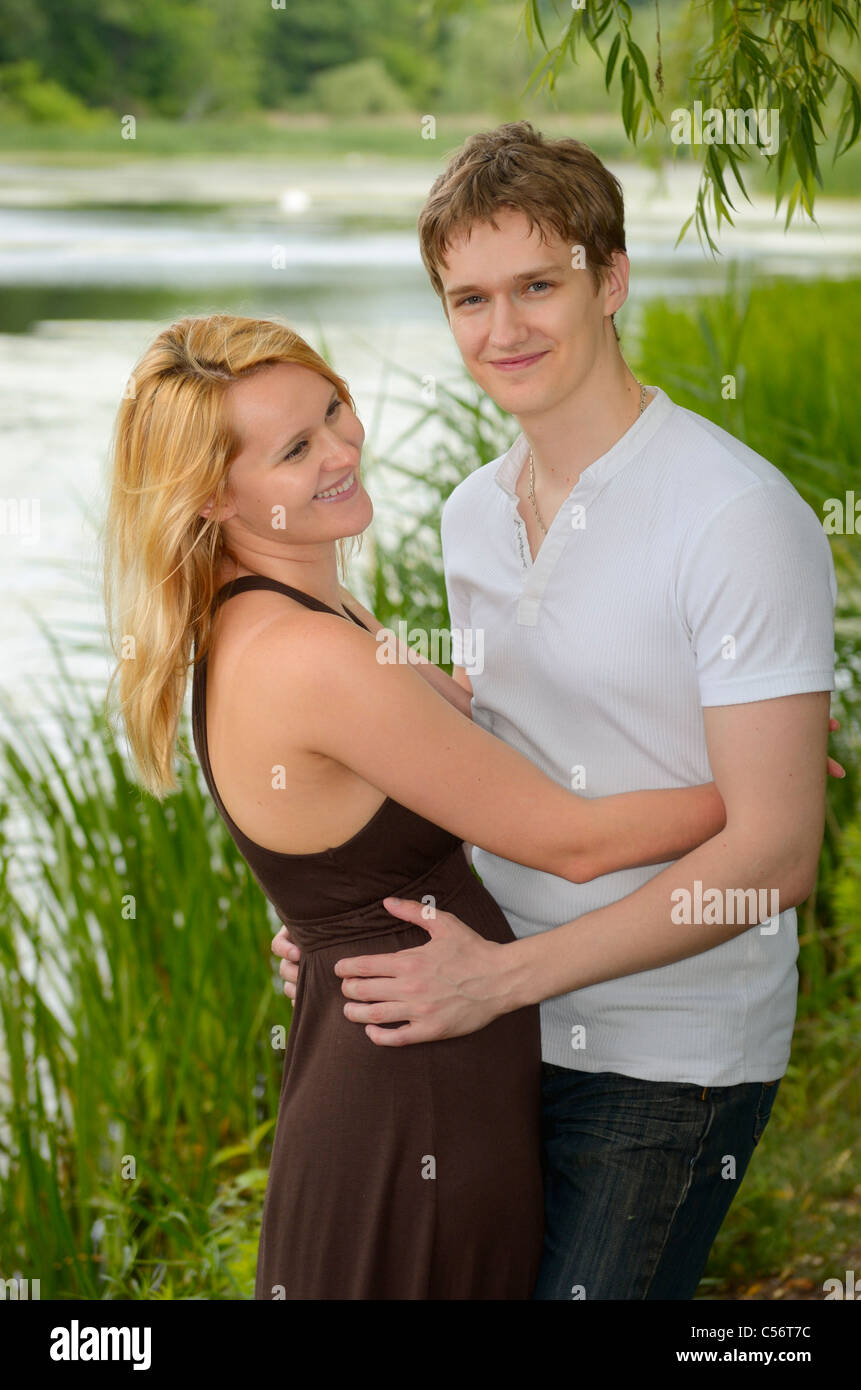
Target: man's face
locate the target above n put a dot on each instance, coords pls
(528, 323)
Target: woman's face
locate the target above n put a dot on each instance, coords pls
(296, 475)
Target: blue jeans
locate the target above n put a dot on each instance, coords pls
(638, 1177)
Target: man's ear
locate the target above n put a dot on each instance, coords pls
(615, 282)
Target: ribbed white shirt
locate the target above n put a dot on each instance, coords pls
(682, 570)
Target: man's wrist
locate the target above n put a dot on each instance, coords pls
(516, 983)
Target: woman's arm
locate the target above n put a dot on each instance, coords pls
(394, 730)
(440, 681)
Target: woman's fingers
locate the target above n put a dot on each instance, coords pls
(835, 769)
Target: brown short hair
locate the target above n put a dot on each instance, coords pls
(560, 185)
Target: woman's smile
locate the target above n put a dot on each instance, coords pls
(340, 491)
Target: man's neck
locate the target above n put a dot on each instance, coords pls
(581, 428)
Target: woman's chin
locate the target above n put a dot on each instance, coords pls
(356, 524)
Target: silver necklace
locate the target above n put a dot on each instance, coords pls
(532, 466)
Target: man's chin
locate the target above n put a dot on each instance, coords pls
(525, 400)
(516, 391)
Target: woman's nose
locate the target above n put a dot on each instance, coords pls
(338, 451)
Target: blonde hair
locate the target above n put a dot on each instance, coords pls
(171, 452)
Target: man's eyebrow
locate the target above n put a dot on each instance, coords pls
(523, 275)
(307, 430)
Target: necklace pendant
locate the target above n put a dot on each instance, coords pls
(532, 467)
(532, 494)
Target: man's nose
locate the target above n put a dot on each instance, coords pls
(506, 326)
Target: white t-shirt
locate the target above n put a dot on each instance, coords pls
(683, 570)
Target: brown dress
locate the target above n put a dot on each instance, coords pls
(396, 1173)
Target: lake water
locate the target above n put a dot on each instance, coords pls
(94, 261)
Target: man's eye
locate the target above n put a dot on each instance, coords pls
(542, 284)
(467, 299)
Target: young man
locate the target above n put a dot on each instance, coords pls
(656, 603)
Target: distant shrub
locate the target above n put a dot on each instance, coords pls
(26, 95)
(358, 89)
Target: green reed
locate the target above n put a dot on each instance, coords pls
(136, 1002)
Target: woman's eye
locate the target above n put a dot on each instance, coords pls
(298, 448)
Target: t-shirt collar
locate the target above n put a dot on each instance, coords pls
(604, 467)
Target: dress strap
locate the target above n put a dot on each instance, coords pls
(262, 581)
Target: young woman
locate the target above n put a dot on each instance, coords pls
(396, 1173)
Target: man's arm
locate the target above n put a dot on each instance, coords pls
(459, 675)
(768, 762)
(289, 954)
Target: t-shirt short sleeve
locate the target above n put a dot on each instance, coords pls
(756, 591)
(456, 590)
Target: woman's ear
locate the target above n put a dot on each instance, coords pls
(225, 511)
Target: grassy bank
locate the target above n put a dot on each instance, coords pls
(396, 137)
(308, 137)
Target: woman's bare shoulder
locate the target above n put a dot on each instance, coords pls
(266, 638)
(276, 679)
(295, 648)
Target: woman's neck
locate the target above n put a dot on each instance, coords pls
(229, 568)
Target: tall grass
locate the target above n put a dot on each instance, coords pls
(138, 999)
(136, 1004)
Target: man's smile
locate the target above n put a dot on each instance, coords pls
(514, 364)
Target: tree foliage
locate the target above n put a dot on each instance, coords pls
(752, 55)
(191, 57)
